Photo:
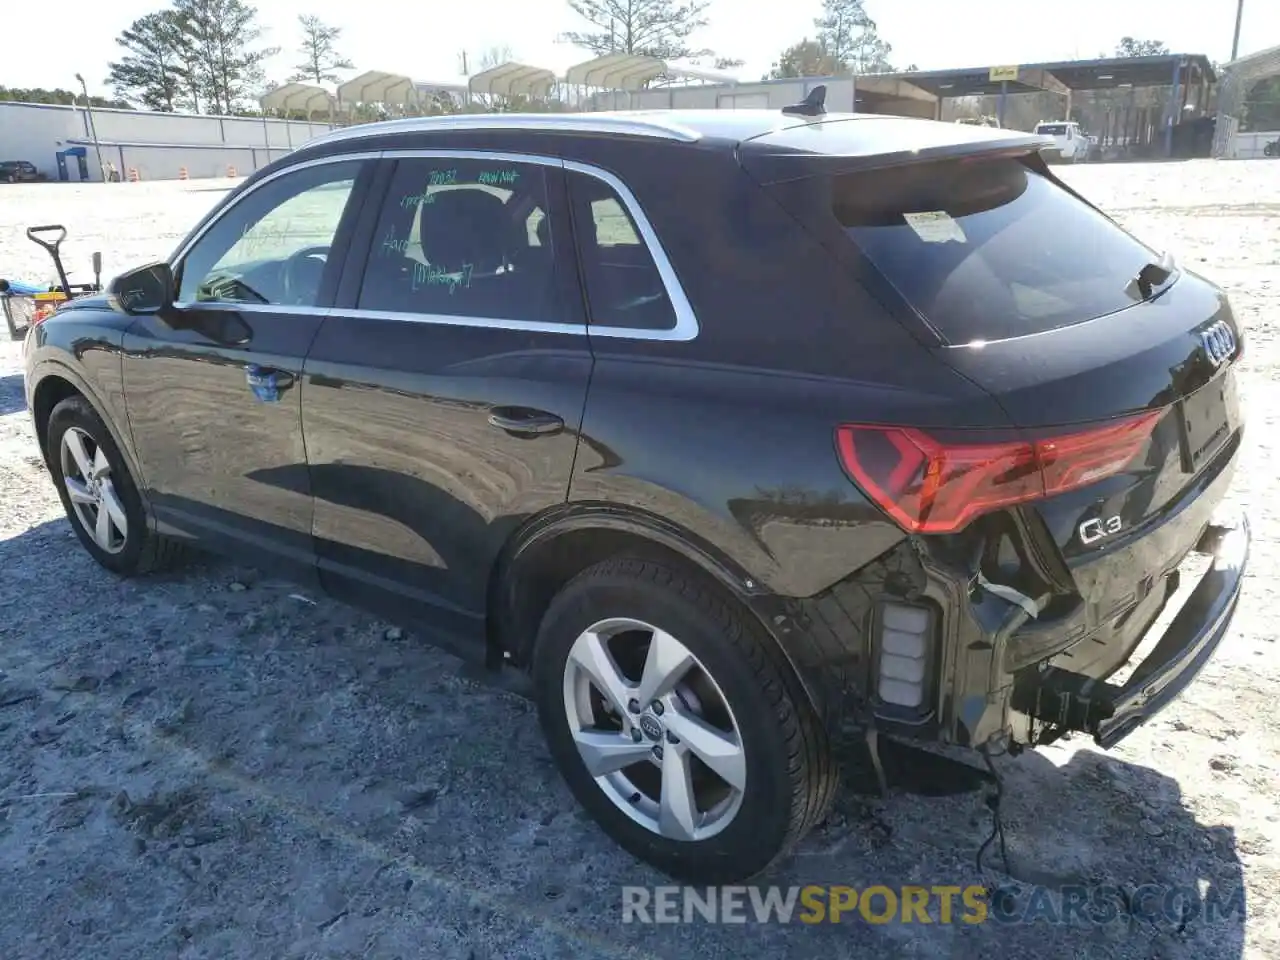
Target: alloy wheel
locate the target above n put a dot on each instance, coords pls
(654, 729)
(86, 474)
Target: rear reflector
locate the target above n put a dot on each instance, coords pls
(928, 485)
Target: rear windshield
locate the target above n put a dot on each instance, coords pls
(1052, 129)
(990, 249)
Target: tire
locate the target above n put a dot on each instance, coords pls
(136, 550)
(738, 681)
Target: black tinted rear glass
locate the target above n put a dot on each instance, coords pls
(988, 249)
(1052, 129)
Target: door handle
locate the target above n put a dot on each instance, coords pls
(525, 421)
(267, 383)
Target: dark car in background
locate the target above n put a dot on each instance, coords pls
(734, 428)
(19, 171)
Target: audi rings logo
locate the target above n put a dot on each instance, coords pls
(1219, 342)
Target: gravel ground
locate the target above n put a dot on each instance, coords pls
(211, 764)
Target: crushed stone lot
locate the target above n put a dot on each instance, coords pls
(212, 764)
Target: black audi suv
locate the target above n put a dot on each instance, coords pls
(734, 429)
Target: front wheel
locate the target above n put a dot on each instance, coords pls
(677, 724)
(99, 494)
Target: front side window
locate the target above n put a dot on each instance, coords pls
(272, 246)
(624, 287)
(464, 238)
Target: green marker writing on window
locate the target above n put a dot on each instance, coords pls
(425, 275)
(498, 178)
(391, 245)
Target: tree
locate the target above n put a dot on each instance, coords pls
(1129, 47)
(187, 53)
(221, 34)
(320, 60)
(651, 28)
(808, 58)
(60, 96)
(152, 70)
(850, 37)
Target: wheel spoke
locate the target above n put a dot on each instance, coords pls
(114, 509)
(607, 751)
(591, 655)
(102, 529)
(74, 443)
(78, 492)
(100, 465)
(677, 809)
(667, 661)
(720, 751)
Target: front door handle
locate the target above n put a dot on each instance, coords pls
(525, 421)
(267, 383)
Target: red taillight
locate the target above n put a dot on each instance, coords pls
(929, 485)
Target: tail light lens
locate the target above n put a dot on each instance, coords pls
(930, 485)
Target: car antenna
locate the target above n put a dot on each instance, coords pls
(814, 105)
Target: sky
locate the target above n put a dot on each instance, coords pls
(425, 40)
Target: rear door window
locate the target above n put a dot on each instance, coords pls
(990, 249)
(464, 238)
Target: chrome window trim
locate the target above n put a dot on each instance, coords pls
(450, 320)
(232, 306)
(605, 123)
(686, 326)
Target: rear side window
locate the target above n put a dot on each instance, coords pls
(624, 287)
(464, 238)
(988, 250)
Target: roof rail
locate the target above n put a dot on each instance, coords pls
(637, 126)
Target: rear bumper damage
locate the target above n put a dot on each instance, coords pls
(1110, 712)
(851, 644)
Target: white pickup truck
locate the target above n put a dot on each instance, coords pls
(1071, 145)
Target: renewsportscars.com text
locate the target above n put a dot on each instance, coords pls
(937, 904)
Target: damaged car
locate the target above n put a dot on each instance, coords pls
(734, 429)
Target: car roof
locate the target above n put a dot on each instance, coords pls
(688, 126)
(870, 132)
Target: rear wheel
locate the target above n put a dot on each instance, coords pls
(677, 724)
(99, 494)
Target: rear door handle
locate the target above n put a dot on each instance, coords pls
(267, 383)
(525, 421)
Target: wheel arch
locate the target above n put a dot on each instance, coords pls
(550, 549)
(55, 382)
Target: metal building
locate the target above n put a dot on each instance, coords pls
(1238, 78)
(63, 144)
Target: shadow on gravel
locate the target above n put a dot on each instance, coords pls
(12, 395)
(320, 787)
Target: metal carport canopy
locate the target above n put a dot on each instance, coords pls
(390, 89)
(1059, 77)
(513, 79)
(298, 96)
(1109, 73)
(617, 71)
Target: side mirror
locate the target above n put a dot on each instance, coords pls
(145, 290)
